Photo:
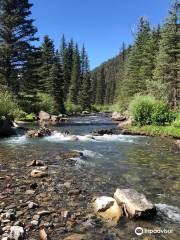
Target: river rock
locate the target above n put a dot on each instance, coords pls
(72, 154)
(42, 132)
(55, 118)
(43, 235)
(32, 205)
(44, 116)
(38, 173)
(135, 204)
(116, 116)
(76, 237)
(35, 163)
(6, 128)
(17, 233)
(107, 208)
(103, 131)
(127, 122)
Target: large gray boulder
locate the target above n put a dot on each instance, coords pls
(6, 128)
(135, 204)
(44, 116)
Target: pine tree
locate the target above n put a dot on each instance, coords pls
(134, 79)
(56, 77)
(100, 91)
(85, 93)
(167, 71)
(47, 60)
(75, 77)
(66, 53)
(16, 35)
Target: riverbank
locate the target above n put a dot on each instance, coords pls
(60, 204)
(152, 130)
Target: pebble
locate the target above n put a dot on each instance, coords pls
(17, 233)
(32, 205)
(34, 222)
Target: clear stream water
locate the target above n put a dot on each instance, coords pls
(150, 165)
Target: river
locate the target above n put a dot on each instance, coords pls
(149, 165)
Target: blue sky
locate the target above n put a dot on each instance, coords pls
(102, 25)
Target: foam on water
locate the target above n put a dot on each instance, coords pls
(17, 140)
(89, 153)
(171, 212)
(60, 137)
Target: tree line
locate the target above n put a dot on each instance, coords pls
(150, 66)
(40, 76)
(46, 78)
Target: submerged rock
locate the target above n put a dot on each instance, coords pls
(38, 173)
(107, 208)
(42, 132)
(17, 233)
(116, 116)
(35, 163)
(135, 204)
(72, 154)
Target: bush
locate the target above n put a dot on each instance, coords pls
(162, 114)
(141, 108)
(71, 107)
(147, 110)
(8, 106)
(27, 117)
(47, 103)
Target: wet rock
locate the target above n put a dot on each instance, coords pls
(72, 154)
(103, 131)
(32, 205)
(76, 237)
(42, 132)
(44, 116)
(17, 233)
(38, 173)
(135, 204)
(116, 116)
(43, 235)
(35, 223)
(64, 120)
(35, 163)
(107, 208)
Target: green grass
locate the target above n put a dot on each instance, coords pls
(153, 130)
(107, 108)
(27, 118)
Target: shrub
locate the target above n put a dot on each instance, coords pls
(71, 107)
(162, 114)
(47, 103)
(141, 108)
(27, 117)
(8, 106)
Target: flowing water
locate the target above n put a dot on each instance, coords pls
(150, 165)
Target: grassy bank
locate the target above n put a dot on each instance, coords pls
(153, 130)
